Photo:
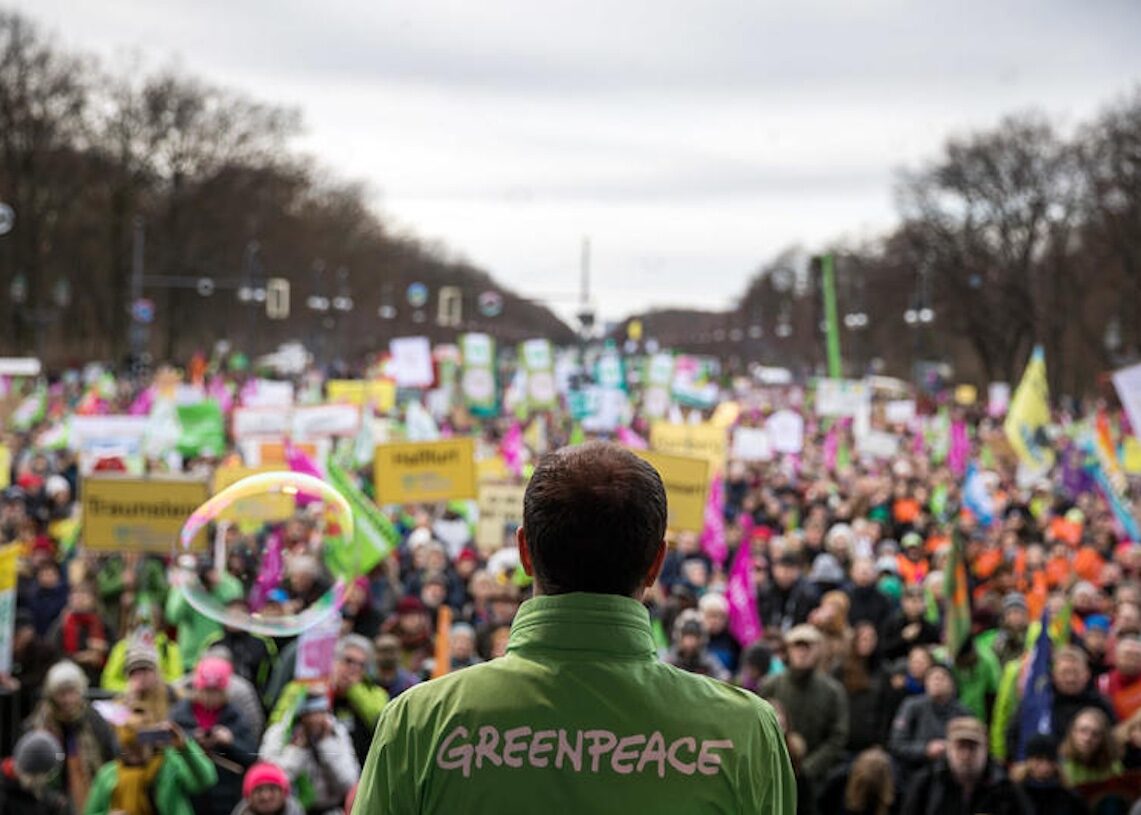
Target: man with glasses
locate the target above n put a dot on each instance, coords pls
(357, 699)
(965, 781)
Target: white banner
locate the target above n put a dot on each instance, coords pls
(877, 444)
(842, 397)
(325, 420)
(89, 430)
(19, 366)
(899, 411)
(263, 422)
(269, 393)
(411, 365)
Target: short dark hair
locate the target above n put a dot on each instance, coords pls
(594, 516)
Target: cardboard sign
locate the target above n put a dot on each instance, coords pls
(321, 421)
(841, 397)
(699, 440)
(250, 422)
(500, 506)
(752, 444)
(380, 393)
(425, 472)
(687, 484)
(138, 514)
(411, 364)
(267, 507)
(786, 432)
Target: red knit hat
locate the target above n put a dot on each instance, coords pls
(264, 773)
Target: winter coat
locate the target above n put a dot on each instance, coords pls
(934, 791)
(89, 739)
(115, 671)
(1051, 798)
(292, 807)
(869, 711)
(817, 709)
(892, 640)
(15, 800)
(330, 767)
(222, 796)
(184, 773)
(781, 609)
(252, 654)
(870, 605)
(919, 721)
(1063, 710)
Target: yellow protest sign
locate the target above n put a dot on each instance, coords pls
(500, 506)
(130, 514)
(272, 453)
(687, 484)
(425, 472)
(380, 392)
(701, 440)
(9, 558)
(259, 508)
(966, 395)
(725, 415)
(5, 467)
(493, 468)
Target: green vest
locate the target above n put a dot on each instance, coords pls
(580, 716)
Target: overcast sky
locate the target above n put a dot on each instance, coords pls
(690, 140)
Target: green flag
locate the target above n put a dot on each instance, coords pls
(374, 536)
(203, 429)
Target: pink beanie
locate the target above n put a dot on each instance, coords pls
(264, 773)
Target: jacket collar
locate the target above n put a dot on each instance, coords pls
(581, 624)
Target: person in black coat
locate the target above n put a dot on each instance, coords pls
(868, 684)
(1042, 783)
(909, 627)
(789, 598)
(965, 781)
(221, 731)
(24, 777)
(869, 604)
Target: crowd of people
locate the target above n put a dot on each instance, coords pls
(131, 701)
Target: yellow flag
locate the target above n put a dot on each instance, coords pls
(1029, 414)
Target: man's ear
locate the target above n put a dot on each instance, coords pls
(524, 552)
(656, 566)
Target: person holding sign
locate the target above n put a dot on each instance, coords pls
(580, 716)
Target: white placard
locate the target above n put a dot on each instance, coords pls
(322, 421)
(785, 430)
(877, 444)
(1128, 384)
(899, 411)
(411, 362)
(88, 430)
(841, 397)
(269, 393)
(19, 366)
(260, 422)
(751, 444)
(612, 404)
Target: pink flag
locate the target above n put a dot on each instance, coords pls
(628, 438)
(960, 448)
(217, 390)
(744, 621)
(713, 533)
(143, 403)
(511, 448)
(831, 446)
(301, 463)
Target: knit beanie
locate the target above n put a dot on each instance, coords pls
(38, 753)
(65, 674)
(264, 773)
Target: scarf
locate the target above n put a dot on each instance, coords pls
(205, 717)
(78, 628)
(133, 785)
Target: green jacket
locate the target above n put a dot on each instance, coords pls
(194, 628)
(580, 716)
(115, 671)
(183, 773)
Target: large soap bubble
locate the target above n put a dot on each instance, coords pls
(272, 554)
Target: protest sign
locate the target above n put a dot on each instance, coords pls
(492, 468)
(411, 362)
(424, 472)
(998, 399)
(899, 411)
(136, 514)
(726, 415)
(500, 506)
(93, 430)
(380, 393)
(320, 421)
(252, 422)
(265, 507)
(752, 444)
(19, 366)
(272, 453)
(538, 365)
(841, 397)
(700, 440)
(9, 559)
(878, 444)
(478, 378)
(785, 429)
(1127, 381)
(203, 429)
(686, 479)
(610, 410)
(5, 466)
(315, 649)
(268, 393)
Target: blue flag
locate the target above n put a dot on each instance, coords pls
(977, 497)
(1037, 693)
